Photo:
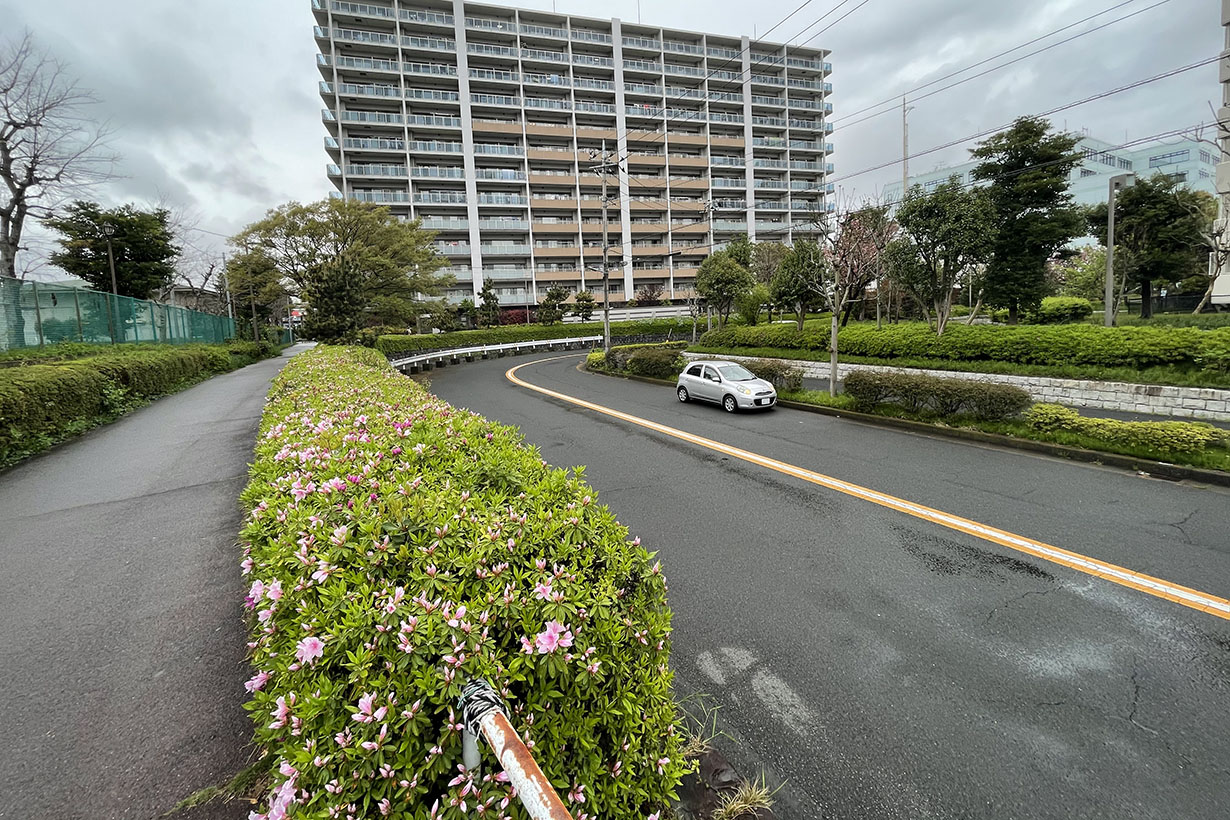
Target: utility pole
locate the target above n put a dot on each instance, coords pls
(605, 167)
(256, 336)
(1108, 309)
(905, 150)
(1222, 175)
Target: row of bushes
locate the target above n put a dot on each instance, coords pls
(44, 403)
(1056, 345)
(932, 395)
(398, 548)
(426, 342)
(1167, 437)
(662, 361)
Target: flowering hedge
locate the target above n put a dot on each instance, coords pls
(397, 548)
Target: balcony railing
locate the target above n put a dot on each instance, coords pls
(381, 196)
(352, 35)
(434, 43)
(441, 198)
(547, 79)
(544, 31)
(547, 56)
(642, 42)
(544, 102)
(360, 9)
(682, 48)
(727, 53)
(737, 162)
(434, 69)
(436, 146)
(453, 248)
(492, 74)
(502, 199)
(495, 99)
(441, 223)
(437, 172)
(376, 117)
(686, 70)
(372, 170)
(643, 65)
(585, 36)
(352, 89)
(598, 108)
(424, 119)
(768, 79)
(495, 51)
(487, 24)
(421, 16)
(502, 174)
(496, 148)
(429, 94)
(504, 248)
(586, 82)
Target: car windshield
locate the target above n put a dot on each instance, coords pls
(736, 373)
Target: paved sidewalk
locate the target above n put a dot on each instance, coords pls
(121, 640)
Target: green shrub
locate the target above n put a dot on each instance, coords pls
(44, 403)
(596, 360)
(367, 336)
(399, 548)
(1052, 345)
(1058, 310)
(506, 334)
(655, 363)
(925, 395)
(619, 356)
(782, 375)
(1214, 357)
(1160, 436)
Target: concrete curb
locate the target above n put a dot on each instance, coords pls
(1162, 469)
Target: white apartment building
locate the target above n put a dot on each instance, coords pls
(485, 121)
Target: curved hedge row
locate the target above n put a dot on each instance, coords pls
(42, 403)
(426, 342)
(397, 548)
(1025, 344)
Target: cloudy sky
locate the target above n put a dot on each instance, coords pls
(215, 108)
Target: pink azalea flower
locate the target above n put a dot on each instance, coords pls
(274, 590)
(543, 591)
(309, 649)
(256, 682)
(554, 636)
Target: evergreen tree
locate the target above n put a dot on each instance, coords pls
(142, 246)
(489, 305)
(335, 305)
(1027, 167)
(584, 307)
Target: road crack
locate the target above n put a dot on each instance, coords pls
(1015, 599)
(1136, 702)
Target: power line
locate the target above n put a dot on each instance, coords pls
(835, 22)
(896, 97)
(993, 69)
(1055, 110)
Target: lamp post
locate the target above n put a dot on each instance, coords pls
(1116, 182)
(109, 231)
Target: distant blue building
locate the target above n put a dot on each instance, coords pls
(1187, 160)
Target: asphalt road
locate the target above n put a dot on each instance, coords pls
(121, 638)
(885, 666)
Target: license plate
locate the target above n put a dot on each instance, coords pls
(762, 402)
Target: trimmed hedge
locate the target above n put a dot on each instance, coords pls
(397, 548)
(781, 375)
(1057, 310)
(1162, 436)
(1051, 345)
(655, 363)
(44, 403)
(621, 355)
(426, 342)
(921, 394)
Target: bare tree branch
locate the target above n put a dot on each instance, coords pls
(50, 149)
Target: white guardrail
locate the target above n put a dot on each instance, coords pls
(418, 361)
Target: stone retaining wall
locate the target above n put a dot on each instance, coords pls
(1154, 399)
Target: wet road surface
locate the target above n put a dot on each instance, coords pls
(888, 667)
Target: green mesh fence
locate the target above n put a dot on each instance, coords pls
(33, 314)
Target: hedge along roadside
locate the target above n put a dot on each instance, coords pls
(399, 548)
(505, 334)
(1050, 345)
(41, 404)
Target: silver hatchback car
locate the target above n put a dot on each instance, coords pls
(729, 384)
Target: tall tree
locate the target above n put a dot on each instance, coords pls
(855, 243)
(740, 250)
(720, 280)
(334, 297)
(944, 235)
(552, 308)
(583, 307)
(390, 266)
(791, 287)
(256, 288)
(143, 248)
(1027, 167)
(1158, 221)
(767, 258)
(489, 305)
(49, 146)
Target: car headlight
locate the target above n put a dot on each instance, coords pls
(747, 391)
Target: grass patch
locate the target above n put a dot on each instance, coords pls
(246, 785)
(1169, 375)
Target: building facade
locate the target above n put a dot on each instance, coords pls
(486, 122)
(1189, 161)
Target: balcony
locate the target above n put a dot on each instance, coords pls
(494, 75)
(725, 53)
(498, 150)
(495, 99)
(430, 69)
(543, 56)
(443, 223)
(437, 172)
(429, 43)
(728, 182)
(502, 199)
(357, 9)
(374, 170)
(367, 117)
(716, 116)
(684, 70)
(586, 36)
(353, 90)
(368, 144)
(586, 82)
(726, 225)
(381, 197)
(504, 249)
(485, 49)
(548, 103)
(499, 174)
(351, 35)
(440, 198)
(435, 147)
(557, 80)
(595, 107)
(772, 227)
(771, 122)
(555, 250)
(682, 48)
(431, 94)
(489, 24)
(453, 248)
(544, 31)
(497, 126)
(504, 224)
(767, 79)
(593, 60)
(428, 17)
(556, 227)
(643, 43)
(438, 122)
(735, 162)
(647, 66)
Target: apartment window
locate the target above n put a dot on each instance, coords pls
(1206, 157)
(1181, 176)
(1170, 159)
(1085, 172)
(1125, 164)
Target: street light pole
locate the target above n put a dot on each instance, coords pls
(108, 231)
(1116, 182)
(604, 168)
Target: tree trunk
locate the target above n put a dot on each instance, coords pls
(833, 355)
(974, 311)
(1204, 300)
(1012, 313)
(845, 317)
(1146, 299)
(878, 324)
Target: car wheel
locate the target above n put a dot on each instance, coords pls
(683, 394)
(729, 404)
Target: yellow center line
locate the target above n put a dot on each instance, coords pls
(1157, 587)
